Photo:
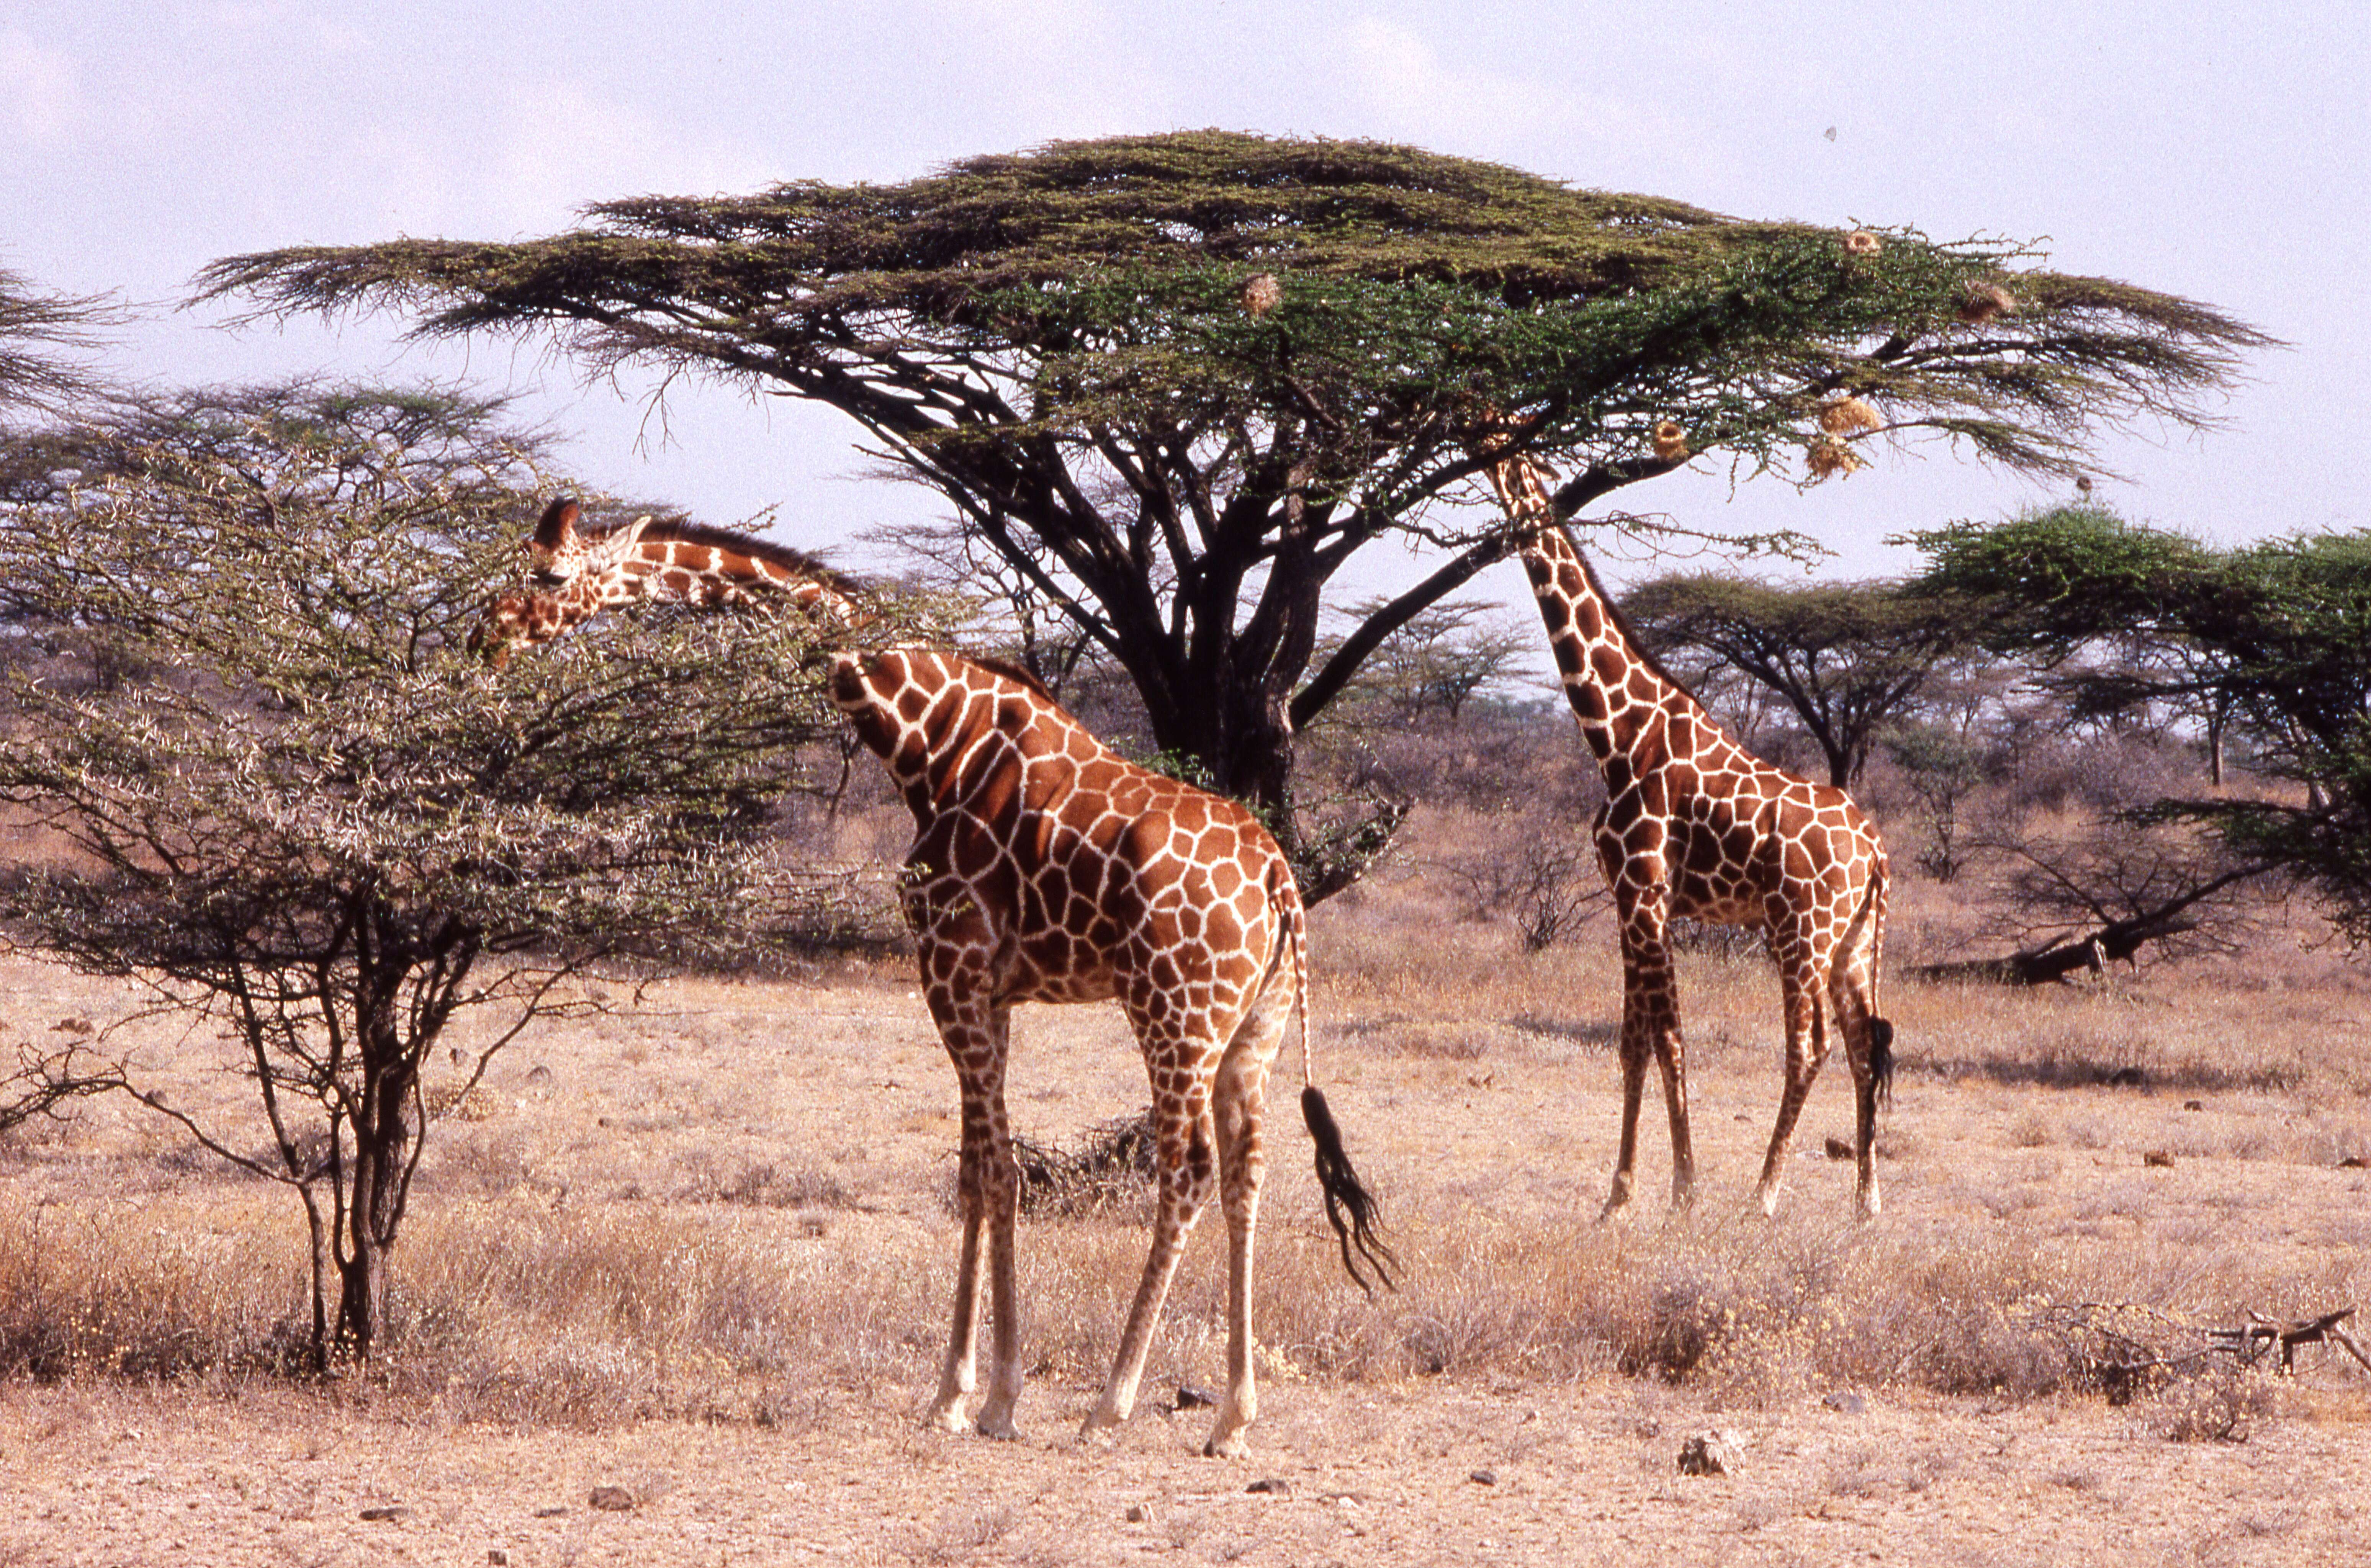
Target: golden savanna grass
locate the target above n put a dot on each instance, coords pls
(744, 1190)
(702, 1252)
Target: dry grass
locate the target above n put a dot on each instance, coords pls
(717, 1207)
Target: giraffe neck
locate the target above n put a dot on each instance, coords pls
(667, 564)
(952, 732)
(1621, 697)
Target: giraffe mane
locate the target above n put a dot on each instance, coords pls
(1017, 673)
(795, 561)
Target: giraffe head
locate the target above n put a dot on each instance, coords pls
(557, 554)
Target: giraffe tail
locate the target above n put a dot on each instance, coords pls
(1351, 1206)
(1871, 916)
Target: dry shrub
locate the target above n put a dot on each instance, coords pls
(144, 1294)
(1113, 1170)
(2218, 1401)
(530, 1318)
(513, 1314)
(1755, 1310)
(764, 1185)
(2118, 1054)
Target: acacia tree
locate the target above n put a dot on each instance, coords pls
(1848, 658)
(41, 335)
(299, 809)
(2271, 640)
(1180, 381)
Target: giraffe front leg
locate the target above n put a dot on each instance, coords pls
(975, 1033)
(1003, 1215)
(956, 1377)
(1650, 1030)
(1633, 1091)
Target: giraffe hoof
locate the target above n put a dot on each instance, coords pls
(1001, 1429)
(947, 1417)
(1230, 1447)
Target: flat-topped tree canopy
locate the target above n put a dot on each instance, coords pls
(1180, 379)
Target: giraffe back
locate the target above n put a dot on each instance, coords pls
(1070, 872)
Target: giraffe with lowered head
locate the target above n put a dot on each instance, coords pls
(1695, 825)
(1047, 868)
(579, 575)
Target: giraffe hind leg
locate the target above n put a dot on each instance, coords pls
(1807, 1047)
(1239, 1100)
(1186, 1137)
(1869, 1040)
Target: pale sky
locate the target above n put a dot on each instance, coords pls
(2215, 152)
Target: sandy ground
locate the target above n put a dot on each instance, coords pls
(1468, 1107)
(1417, 1474)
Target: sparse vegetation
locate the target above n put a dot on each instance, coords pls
(275, 799)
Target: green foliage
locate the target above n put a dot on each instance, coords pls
(41, 336)
(1848, 658)
(2276, 636)
(1441, 659)
(1177, 380)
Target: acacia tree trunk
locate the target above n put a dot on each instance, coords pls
(379, 1170)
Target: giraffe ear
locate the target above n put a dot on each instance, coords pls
(559, 524)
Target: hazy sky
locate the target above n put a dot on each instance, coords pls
(2217, 152)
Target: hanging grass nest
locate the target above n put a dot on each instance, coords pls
(1847, 415)
(1261, 294)
(1983, 301)
(1671, 442)
(1828, 455)
(1860, 242)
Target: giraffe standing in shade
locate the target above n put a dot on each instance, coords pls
(1694, 824)
(1047, 868)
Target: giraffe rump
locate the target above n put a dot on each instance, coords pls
(1350, 1205)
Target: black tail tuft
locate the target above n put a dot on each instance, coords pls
(1881, 1059)
(1345, 1194)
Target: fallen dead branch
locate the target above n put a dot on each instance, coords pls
(2127, 1350)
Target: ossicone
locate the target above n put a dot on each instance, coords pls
(558, 523)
